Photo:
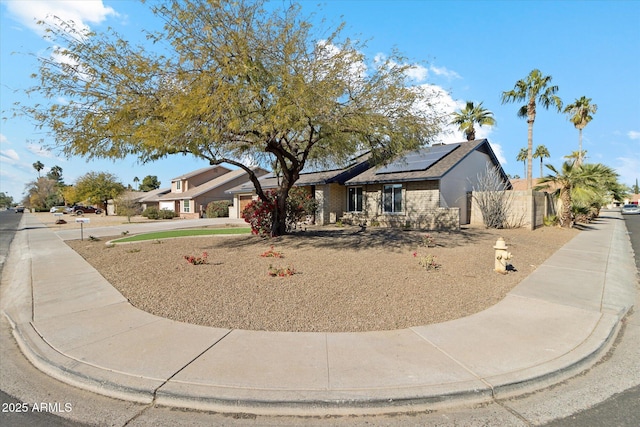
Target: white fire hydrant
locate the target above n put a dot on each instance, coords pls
(502, 256)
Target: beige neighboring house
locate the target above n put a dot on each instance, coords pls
(151, 199)
(191, 193)
(427, 188)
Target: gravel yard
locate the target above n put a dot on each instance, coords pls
(344, 280)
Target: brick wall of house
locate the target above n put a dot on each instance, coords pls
(421, 208)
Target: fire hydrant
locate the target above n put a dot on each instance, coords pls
(502, 256)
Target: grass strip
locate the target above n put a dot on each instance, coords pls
(183, 233)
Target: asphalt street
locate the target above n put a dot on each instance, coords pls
(606, 395)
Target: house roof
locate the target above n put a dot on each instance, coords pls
(338, 175)
(425, 164)
(207, 186)
(153, 195)
(198, 172)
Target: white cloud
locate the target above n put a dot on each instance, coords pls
(39, 150)
(3, 139)
(632, 134)
(628, 168)
(417, 73)
(80, 12)
(442, 71)
(9, 156)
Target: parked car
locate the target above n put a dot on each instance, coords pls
(81, 210)
(61, 209)
(630, 209)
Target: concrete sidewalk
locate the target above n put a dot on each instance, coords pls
(72, 324)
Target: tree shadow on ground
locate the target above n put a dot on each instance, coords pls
(355, 238)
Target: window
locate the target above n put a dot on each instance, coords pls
(392, 198)
(186, 206)
(355, 199)
(178, 185)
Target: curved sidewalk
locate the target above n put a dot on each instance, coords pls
(72, 324)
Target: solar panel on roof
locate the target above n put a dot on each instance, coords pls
(418, 160)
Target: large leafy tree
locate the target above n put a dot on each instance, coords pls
(580, 114)
(149, 182)
(98, 188)
(42, 194)
(541, 153)
(533, 90)
(6, 201)
(471, 115)
(234, 82)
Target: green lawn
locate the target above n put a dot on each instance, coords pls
(183, 233)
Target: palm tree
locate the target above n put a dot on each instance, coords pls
(585, 183)
(522, 157)
(136, 180)
(580, 115)
(577, 157)
(533, 89)
(471, 115)
(38, 166)
(541, 152)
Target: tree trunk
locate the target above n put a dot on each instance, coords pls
(530, 154)
(579, 160)
(566, 216)
(279, 224)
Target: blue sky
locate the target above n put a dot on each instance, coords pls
(468, 50)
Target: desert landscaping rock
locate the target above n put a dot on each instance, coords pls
(345, 280)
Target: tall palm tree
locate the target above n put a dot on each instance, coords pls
(541, 152)
(577, 157)
(136, 180)
(580, 114)
(38, 166)
(535, 88)
(522, 157)
(470, 115)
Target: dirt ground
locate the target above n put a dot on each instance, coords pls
(343, 280)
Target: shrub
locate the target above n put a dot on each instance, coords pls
(151, 212)
(428, 262)
(197, 260)
(550, 220)
(281, 271)
(272, 253)
(218, 209)
(258, 214)
(167, 214)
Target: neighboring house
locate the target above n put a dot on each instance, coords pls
(151, 199)
(191, 193)
(428, 188)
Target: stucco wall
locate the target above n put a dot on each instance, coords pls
(526, 208)
(455, 185)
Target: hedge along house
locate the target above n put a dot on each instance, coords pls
(191, 193)
(325, 185)
(429, 188)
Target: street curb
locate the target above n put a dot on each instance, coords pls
(162, 392)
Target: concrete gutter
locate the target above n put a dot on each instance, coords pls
(73, 325)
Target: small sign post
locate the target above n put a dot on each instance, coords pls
(82, 221)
